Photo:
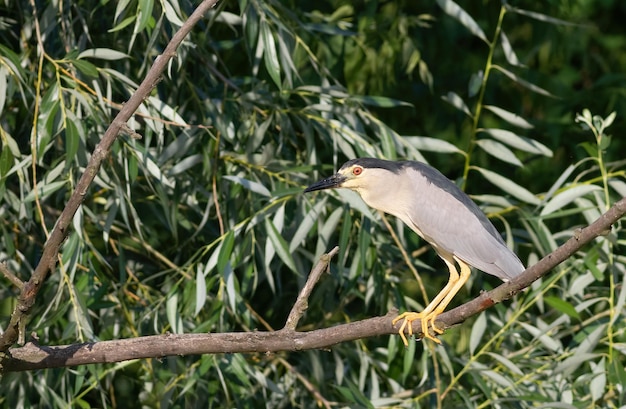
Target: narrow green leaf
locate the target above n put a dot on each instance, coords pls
(226, 250)
(72, 139)
(518, 142)
(171, 15)
(86, 68)
(382, 102)
(564, 198)
(270, 55)
(605, 142)
(619, 186)
(3, 87)
(508, 186)
(167, 111)
(475, 82)
(510, 117)
(507, 363)
(598, 382)
(608, 121)
(122, 7)
(229, 279)
(332, 91)
(592, 264)
(233, 19)
(590, 148)
(44, 190)
(268, 256)
(591, 341)
(306, 225)
(286, 58)
(456, 12)
(177, 148)
(13, 63)
(200, 290)
(569, 365)
(541, 17)
(456, 101)
(103, 54)
(328, 29)
(559, 182)
(151, 168)
(11, 144)
(619, 305)
(499, 151)
(251, 27)
(280, 245)
(173, 317)
(145, 14)
(408, 360)
(9, 242)
(478, 330)
(425, 75)
(185, 164)
(354, 201)
(365, 238)
(123, 24)
(6, 161)
(498, 378)
(548, 342)
(329, 228)
(520, 81)
(133, 168)
(249, 185)
(509, 54)
(345, 236)
(387, 143)
(562, 306)
(111, 215)
(425, 143)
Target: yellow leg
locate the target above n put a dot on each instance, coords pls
(437, 305)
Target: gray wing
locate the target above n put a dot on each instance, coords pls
(452, 222)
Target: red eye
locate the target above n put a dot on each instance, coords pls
(357, 171)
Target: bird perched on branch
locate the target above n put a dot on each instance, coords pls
(440, 213)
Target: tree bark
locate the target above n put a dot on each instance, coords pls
(33, 356)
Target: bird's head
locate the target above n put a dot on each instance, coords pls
(366, 176)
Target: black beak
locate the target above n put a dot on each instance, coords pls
(334, 181)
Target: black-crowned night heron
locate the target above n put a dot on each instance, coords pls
(440, 213)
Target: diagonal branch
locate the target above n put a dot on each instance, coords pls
(302, 302)
(47, 263)
(10, 276)
(32, 356)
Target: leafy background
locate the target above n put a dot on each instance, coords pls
(201, 226)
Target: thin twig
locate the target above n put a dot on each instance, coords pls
(307, 384)
(302, 302)
(407, 259)
(38, 88)
(216, 201)
(10, 276)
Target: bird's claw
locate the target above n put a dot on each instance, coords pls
(426, 320)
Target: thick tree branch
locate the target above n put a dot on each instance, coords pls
(29, 291)
(32, 356)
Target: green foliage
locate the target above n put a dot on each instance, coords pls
(200, 225)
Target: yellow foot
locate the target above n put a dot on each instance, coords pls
(409, 317)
